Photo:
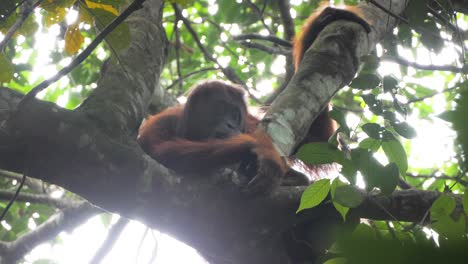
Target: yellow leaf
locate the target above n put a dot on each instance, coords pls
(85, 16)
(55, 16)
(6, 69)
(108, 8)
(73, 39)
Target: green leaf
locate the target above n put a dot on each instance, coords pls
(389, 83)
(7, 69)
(459, 123)
(348, 196)
(448, 227)
(119, 38)
(442, 206)
(405, 130)
(336, 261)
(389, 179)
(390, 116)
(373, 130)
(396, 153)
(106, 219)
(448, 116)
(343, 210)
(375, 105)
(371, 144)
(465, 202)
(314, 194)
(324, 153)
(431, 36)
(365, 81)
(405, 35)
(320, 153)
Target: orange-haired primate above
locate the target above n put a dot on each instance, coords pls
(213, 130)
(323, 126)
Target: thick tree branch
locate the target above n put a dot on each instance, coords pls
(329, 64)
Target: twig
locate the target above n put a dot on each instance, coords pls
(190, 74)
(440, 177)
(432, 95)
(260, 14)
(270, 50)
(177, 52)
(402, 61)
(135, 5)
(288, 22)
(271, 38)
(110, 240)
(12, 200)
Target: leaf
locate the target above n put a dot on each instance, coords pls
(105, 7)
(54, 16)
(323, 153)
(343, 210)
(365, 81)
(73, 39)
(442, 206)
(404, 130)
(431, 36)
(371, 144)
(7, 69)
(396, 153)
(373, 130)
(448, 227)
(389, 83)
(314, 194)
(389, 179)
(339, 260)
(459, 123)
(119, 38)
(448, 116)
(465, 202)
(348, 196)
(375, 105)
(320, 153)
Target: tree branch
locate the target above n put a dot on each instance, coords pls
(272, 38)
(11, 252)
(40, 198)
(416, 65)
(111, 238)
